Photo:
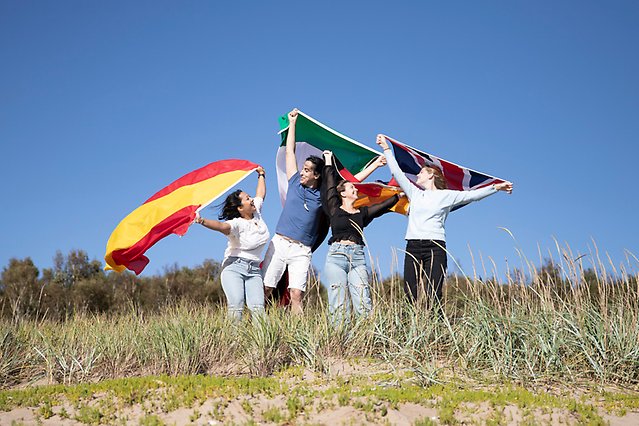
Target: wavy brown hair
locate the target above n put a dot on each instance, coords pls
(440, 181)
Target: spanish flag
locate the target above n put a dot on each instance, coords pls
(170, 211)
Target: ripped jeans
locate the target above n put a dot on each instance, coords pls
(346, 277)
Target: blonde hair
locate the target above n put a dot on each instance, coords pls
(440, 181)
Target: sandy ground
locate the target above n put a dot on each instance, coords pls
(330, 410)
(405, 415)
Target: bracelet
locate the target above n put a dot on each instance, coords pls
(200, 220)
(259, 175)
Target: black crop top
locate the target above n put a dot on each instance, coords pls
(344, 225)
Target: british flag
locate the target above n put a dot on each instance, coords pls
(459, 178)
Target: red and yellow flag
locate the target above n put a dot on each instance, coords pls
(369, 193)
(170, 211)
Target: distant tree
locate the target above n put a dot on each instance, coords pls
(20, 289)
(74, 267)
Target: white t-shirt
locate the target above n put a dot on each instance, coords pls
(248, 236)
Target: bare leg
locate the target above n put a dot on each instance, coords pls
(267, 292)
(296, 301)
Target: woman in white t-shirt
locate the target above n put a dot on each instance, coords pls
(241, 221)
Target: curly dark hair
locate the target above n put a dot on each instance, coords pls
(228, 210)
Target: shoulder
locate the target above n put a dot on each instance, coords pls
(295, 178)
(258, 202)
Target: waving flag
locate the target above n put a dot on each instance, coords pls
(369, 193)
(316, 138)
(459, 178)
(170, 211)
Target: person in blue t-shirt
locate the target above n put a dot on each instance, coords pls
(297, 229)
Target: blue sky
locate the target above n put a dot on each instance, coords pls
(104, 103)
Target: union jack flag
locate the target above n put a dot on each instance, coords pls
(459, 178)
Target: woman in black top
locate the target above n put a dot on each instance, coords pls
(345, 271)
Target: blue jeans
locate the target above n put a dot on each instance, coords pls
(242, 281)
(346, 274)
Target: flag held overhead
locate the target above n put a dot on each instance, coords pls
(170, 211)
(313, 138)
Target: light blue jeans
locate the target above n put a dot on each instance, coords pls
(346, 274)
(242, 281)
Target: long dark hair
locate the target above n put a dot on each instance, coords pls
(228, 210)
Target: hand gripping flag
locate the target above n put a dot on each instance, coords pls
(457, 177)
(170, 211)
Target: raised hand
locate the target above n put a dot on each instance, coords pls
(380, 161)
(504, 186)
(328, 157)
(381, 141)
(292, 116)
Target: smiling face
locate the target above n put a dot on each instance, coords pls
(348, 191)
(247, 206)
(424, 175)
(308, 175)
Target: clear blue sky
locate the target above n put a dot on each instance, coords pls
(104, 103)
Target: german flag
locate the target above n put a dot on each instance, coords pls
(369, 193)
(170, 211)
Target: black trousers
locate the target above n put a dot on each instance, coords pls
(425, 265)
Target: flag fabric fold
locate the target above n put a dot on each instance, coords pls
(170, 211)
(369, 193)
(315, 138)
(458, 178)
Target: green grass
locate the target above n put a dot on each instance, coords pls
(102, 403)
(557, 326)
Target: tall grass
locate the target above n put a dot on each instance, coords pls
(558, 322)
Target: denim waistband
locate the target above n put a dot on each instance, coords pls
(341, 246)
(234, 259)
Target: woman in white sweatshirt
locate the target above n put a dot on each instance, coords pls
(425, 260)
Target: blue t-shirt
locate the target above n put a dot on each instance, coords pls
(297, 221)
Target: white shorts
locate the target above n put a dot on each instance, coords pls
(282, 253)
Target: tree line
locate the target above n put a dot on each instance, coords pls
(77, 284)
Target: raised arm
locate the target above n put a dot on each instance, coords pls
(215, 225)
(331, 201)
(406, 185)
(260, 191)
(291, 163)
(379, 162)
(464, 197)
(376, 210)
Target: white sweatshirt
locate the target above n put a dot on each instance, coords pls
(429, 208)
